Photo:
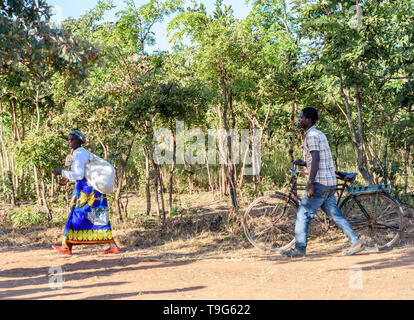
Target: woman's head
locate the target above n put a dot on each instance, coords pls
(76, 139)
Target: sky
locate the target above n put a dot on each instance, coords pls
(74, 8)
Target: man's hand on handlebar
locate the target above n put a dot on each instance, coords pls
(299, 163)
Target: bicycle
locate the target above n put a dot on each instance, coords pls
(376, 217)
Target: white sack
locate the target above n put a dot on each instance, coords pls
(100, 174)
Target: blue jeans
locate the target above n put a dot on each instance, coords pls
(323, 198)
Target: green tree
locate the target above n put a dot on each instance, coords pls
(360, 60)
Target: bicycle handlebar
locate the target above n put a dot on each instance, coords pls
(296, 172)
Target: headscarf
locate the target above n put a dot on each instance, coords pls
(79, 135)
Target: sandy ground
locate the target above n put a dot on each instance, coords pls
(41, 273)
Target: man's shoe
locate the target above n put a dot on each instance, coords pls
(292, 253)
(353, 250)
(61, 250)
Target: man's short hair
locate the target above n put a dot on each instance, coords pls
(311, 113)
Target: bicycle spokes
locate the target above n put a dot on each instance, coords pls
(376, 218)
(269, 222)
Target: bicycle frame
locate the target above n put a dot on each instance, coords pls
(340, 188)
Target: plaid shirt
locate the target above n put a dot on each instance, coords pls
(316, 140)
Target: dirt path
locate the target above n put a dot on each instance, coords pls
(30, 273)
(189, 265)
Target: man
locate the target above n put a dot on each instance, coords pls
(320, 187)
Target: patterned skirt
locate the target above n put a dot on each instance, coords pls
(88, 221)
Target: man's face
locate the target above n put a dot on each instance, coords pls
(304, 122)
(74, 142)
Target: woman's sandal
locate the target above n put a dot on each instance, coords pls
(61, 250)
(114, 250)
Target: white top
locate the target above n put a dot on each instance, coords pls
(77, 169)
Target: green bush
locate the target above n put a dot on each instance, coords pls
(28, 218)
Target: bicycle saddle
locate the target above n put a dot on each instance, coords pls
(349, 177)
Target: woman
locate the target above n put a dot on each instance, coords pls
(88, 222)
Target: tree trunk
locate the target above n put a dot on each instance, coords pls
(233, 126)
(230, 171)
(16, 133)
(223, 181)
(157, 203)
(336, 155)
(118, 203)
(35, 170)
(14, 176)
(172, 167)
(22, 121)
(52, 187)
(9, 174)
(407, 152)
(358, 138)
(210, 181)
(121, 172)
(11, 186)
(2, 170)
(104, 147)
(190, 179)
(246, 153)
(161, 180)
(37, 111)
(157, 171)
(7, 159)
(362, 160)
(293, 124)
(407, 159)
(43, 195)
(21, 187)
(189, 174)
(147, 181)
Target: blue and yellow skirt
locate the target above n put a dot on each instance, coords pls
(88, 221)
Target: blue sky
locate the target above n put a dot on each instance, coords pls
(74, 8)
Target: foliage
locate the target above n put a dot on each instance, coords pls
(222, 73)
(42, 149)
(27, 218)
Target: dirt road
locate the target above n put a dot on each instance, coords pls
(40, 273)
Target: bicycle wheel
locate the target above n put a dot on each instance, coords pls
(269, 222)
(377, 219)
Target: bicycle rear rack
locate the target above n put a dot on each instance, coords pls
(370, 189)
